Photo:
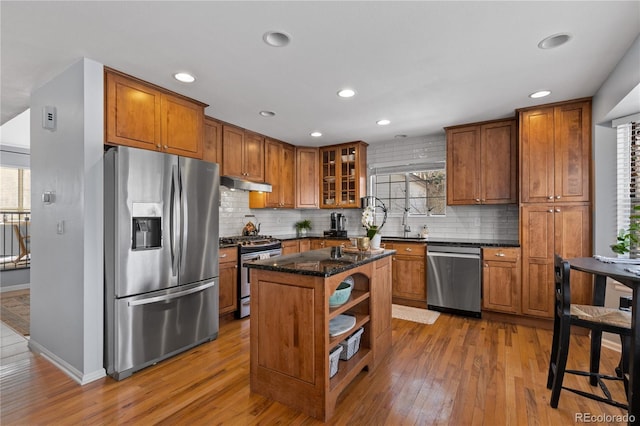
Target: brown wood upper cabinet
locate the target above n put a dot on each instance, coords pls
(279, 172)
(481, 163)
(555, 145)
(307, 178)
(142, 115)
(212, 149)
(242, 154)
(343, 175)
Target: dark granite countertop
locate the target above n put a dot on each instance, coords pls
(464, 242)
(322, 263)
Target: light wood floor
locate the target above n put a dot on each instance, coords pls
(458, 371)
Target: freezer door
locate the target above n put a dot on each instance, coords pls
(200, 198)
(139, 188)
(156, 326)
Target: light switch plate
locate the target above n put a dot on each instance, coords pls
(49, 117)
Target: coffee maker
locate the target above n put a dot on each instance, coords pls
(338, 226)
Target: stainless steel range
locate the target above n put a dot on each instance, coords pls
(254, 247)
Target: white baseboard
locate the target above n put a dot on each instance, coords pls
(66, 368)
(15, 287)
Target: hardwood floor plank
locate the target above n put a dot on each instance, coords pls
(458, 371)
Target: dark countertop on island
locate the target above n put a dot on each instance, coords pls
(322, 263)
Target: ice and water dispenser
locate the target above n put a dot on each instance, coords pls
(147, 233)
(146, 226)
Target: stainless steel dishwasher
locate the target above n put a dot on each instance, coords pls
(454, 279)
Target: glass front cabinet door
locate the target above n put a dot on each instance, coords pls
(343, 175)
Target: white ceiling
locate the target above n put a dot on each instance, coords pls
(422, 65)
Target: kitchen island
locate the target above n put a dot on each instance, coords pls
(290, 318)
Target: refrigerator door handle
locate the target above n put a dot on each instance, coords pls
(174, 221)
(172, 296)
(184, 214)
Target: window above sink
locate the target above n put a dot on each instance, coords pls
(420, 189)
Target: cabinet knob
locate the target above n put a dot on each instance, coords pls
(223, 255)
(557, 197)
(557, 210)
(486, 265)
(550, 211)
(550, 197)
(477, 200)
(165, 147)
(500, 254)
(158, 146)
(408, 249)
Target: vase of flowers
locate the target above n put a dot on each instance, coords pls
(373, 232)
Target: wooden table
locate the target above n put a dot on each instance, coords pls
(601, 271)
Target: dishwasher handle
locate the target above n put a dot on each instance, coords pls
(453, 255)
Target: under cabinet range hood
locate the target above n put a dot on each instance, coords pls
(244, 185)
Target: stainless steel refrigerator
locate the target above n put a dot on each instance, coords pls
(161, 256)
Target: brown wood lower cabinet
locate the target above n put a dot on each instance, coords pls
(548, 229)
(228, 296)
(501, 279)
(318, 243)
(409, 273)
(296, 246)
(290, 247)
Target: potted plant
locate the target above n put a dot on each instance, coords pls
(627, 240)
(302, 226)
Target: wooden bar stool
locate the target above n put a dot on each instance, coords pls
(595, 318)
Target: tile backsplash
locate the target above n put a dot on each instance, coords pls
(474, 222)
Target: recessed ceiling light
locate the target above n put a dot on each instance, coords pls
(267, 113)
(346, 93)
(540, 94)
(383, 122)
(554, 41)
(276, 38)
(316, 134)
(184, 77)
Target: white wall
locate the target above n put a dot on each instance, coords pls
(16, 132)
(622, 81)
(67, 271)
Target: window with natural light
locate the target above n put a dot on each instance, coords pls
(15, 191)
(421, 192)
(628, 158)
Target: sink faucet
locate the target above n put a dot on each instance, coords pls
(407, 227)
